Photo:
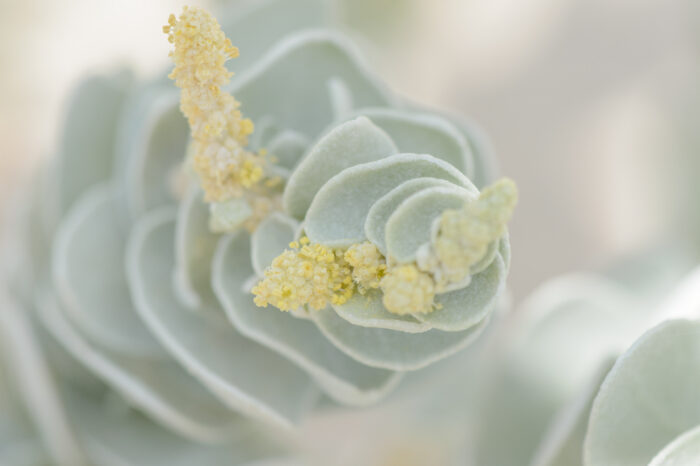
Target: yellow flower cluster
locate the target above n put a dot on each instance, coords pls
(368, 265)
(464, 234)
(315, 275)
(306, 274)
(224, 165)
(407, 290)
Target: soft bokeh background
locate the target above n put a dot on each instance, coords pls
(592, 105)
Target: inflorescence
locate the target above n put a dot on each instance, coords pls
(240, 195)
(318, 276)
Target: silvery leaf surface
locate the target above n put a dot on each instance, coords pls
(462, 308)
(648, 399)
(424, 133)
(194, 248)
(351, 143)
(87, 151)
(683, 451)
(162, 389)
(97, 298)
(339, 375)
(550, 348)
(411, 225)
(154, 310)
(203, 342)
(338, 212)
(562, 445)
(384, 207)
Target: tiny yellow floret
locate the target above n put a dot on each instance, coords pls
(369, 265)
(464, 234)
(306, 274)
(407, 290)
(220, 133)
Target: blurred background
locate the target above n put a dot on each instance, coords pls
(591, 105)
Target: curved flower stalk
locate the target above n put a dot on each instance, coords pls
(155, 239)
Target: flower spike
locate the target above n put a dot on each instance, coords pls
(225, 166)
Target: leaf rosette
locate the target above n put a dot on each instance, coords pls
(158, 285)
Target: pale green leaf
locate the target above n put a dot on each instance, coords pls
(554, 344)
(194, 249)
(337, 214)
(391, 349)
(134, 440)
(379, 213)
(424, 133)
(349, 144)
(368, 311)
(287, 147)
(683, 451)
(86, 153)
(412, 223)
(270, 239)
(285, 83)
(224, 361)
(460, 309)
(159, 387)
(649, 398)
(340, 376)
(88, 273)
(562, 444)
(152, 146)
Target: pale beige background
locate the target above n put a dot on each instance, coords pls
(582, 99)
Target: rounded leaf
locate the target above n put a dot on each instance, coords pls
(379, 213)
(412, 223)
(340, 376)
(88, 273)
(224, 361)
(351, 143)
(649, 397)
(460, 309)
(337, 214)
(390, 349)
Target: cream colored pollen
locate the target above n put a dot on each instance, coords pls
(306, 274)
(316, 275)
(369, 265)
(407, 290)
(220, 133)
(464, 234)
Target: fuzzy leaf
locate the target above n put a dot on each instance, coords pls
(227, 363)
(194, 249)
(341, 377)
(270, 239)
(283, 86)
(152, 148)
(88, 273)
(412, 223)
(424, 133)
(379, 213)
(683, 451)
(649, 397)
(349, 144)
(460, 309)
(390, 349)
(368, 311)
(159, 387)
(337, 214)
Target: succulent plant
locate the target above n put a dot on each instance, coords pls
(300, 231)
